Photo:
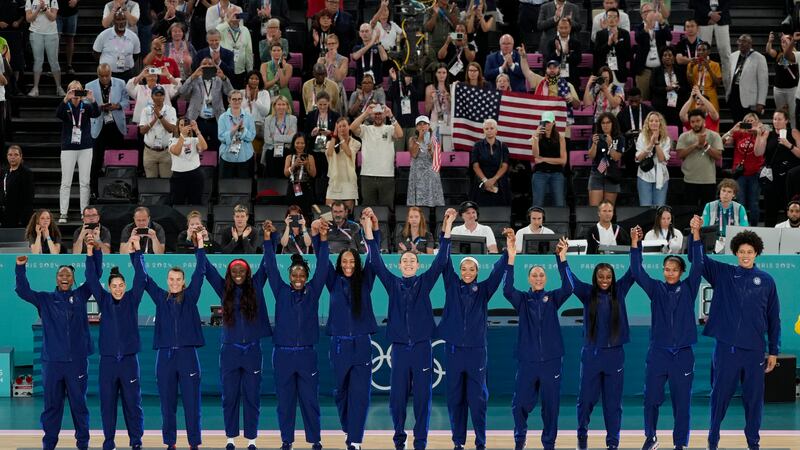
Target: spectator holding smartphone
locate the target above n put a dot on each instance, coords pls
(91, 225)
(186, 183)
(295, 239)
(194, 225)
(152, 236)
(300, 168)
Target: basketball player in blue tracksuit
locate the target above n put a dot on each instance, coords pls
(673, 333)
(605, 330)
(176, 338)
(540, 347)
(296, 332)
(245, 321)
(119, 343)
(744, 309)
(351, 321)
(410, 329)
(463, 327)
(66, 346)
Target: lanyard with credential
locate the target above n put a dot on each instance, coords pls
(633, 125)
(235, 37)
(363, 64)
(282, 127)
(72, 115)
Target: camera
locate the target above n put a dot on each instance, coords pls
(745, 126)
(92, 226)
(295, 223)
(241, 16)
(79, 92)
(209, 73)
(456, 36)
(600, 81)
(142, 231)
(154, 71)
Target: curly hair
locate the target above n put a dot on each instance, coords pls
(747, 237)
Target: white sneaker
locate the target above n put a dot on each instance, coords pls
(60, 91)
(62, 219)
(34, 92)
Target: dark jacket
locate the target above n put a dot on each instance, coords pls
(465, 312)
(178, 323)
(539, 331)
(410, 316)
(622, 49)
(297, 312)
(663, 37)
(603, 334)
(225, 60)
(672, 306)
(71, 115)
(573, 57)
(702, 9)
(119, 329)
(65, 322)
(593, 238)
(16, 196)
(242, 331)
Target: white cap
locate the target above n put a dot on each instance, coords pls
(469, 258)
(422, 118)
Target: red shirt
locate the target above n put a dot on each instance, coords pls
(169, 63)
(744, 145)
(711, 124)
(315, 6)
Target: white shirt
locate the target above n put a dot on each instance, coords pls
(527, 230)
(607, 236)
(131, 6)
(674, 245)
(659, 174)
(258, 108)
(785, 224)
(377, 151)
(480, 230)
(388, 38)
(140, 93)
(189, 159)
(624, 22)
(115, 50)
(158, 137)
(214, 15)
(42, 25)
(240, 44)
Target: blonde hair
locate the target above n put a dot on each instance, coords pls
(662, 128)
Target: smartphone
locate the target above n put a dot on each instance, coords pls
(745, 126)
(79, 92)
(142, 231)
(154, 71)
(92, 226)
(209, 73)
(782, 133)
(295, 223)
(241, 16)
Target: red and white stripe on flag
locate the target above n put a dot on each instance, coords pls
(519, 118)
(436, 148)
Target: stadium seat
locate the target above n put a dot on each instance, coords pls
(349, 84)
(209, 159)
(581, 132)
(296, 60)
(557, 219)
(382, 212)
(295, 84)
(585, 218)
(234, 191)
(121, 158)
(587, 60)
(153, 191)
(271, 190)
(275, 213)
(535, 60)
(184, 210)
(579, 159)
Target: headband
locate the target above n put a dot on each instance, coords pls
(469, 258)
(238, 262)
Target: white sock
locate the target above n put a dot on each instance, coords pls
(230, 440)
(357, 445)
(251, 442)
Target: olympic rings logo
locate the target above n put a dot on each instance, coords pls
(386, 357)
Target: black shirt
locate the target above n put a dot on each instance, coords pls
(549, 148)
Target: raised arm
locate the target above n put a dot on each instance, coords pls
(23, 287)
(511, 294)
(637, 271)
(375, 260)
(323, 261)
(269, 261)
(443, 257)
(567, 278)
(94, 269)
(212, 275)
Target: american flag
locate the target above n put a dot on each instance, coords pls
(436, 151)
(517, 116)
(603, 166)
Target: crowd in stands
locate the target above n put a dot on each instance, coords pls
(220, 80)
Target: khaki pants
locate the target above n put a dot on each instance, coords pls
(643, 83)
(157, 164)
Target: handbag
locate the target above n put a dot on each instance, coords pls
(613, 172)
(647, 164)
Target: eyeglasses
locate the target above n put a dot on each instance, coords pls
(606, 122)
(236, 99)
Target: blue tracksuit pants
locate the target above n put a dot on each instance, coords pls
(297, 377)
(412, 372)
(351, 359)
(467, 390)
(120, 375)
(240, 377)
(537, 379)
(730, 366)
(677, 367)
(601, 374)
(179, 367)
(65, 379)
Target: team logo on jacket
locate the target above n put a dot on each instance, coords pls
(546, 298)
(757, 281)
(71, 300)
(475, 288)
